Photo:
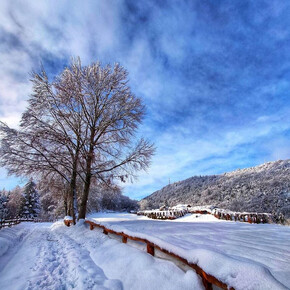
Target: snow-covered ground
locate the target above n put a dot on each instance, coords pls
(242, 255)
(52, 256)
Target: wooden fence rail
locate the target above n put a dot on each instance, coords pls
(163, 214)
(11, 222)
(249, 217)
(8, 223)
(207, 279)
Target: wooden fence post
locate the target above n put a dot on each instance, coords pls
(150, 249)
(207, 285)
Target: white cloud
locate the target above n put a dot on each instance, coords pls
(179, 157)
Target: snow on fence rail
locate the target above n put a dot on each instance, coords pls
(163, 214)
(207, 279)
(11, 222)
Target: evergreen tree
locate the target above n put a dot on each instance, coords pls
(31, 204)
(3, 206)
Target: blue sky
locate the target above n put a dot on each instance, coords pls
(214, 75)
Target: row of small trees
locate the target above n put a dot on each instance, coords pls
(78, 130)
(37, 201)
(20, 202)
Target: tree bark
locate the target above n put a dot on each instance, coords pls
(88, 176)
(65, 201)
(85, 195)
(72, 196)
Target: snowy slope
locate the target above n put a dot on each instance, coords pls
(245, 256)
(263, 188)
(52, 256)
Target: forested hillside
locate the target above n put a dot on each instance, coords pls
(264, 188)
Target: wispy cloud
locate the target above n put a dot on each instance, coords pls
(180, 155)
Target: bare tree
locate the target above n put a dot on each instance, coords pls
(15, 202)
(80, 126)
(47, 143)
(111, 113)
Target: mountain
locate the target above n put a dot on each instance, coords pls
(263, 188)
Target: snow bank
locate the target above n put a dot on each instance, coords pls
(9, 237)
(197, 218)
(4, 245)
(244, 256)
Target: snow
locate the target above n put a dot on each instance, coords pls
(268, 166)
(197, 218)
(180, 207)
(53, 256)
(68, 218)
(242, 255)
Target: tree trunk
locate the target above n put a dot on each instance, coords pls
(70, 208)
(72, 202)
(65, 201)
(85, 196)
(73, 205)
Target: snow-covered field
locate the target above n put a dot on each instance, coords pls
(52, 256)
(242, 255)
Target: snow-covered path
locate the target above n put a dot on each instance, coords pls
(46, 256)
(44, 259)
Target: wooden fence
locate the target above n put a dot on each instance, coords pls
(248, 217)
(10, 222)
(207, 279)
(171, 214)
